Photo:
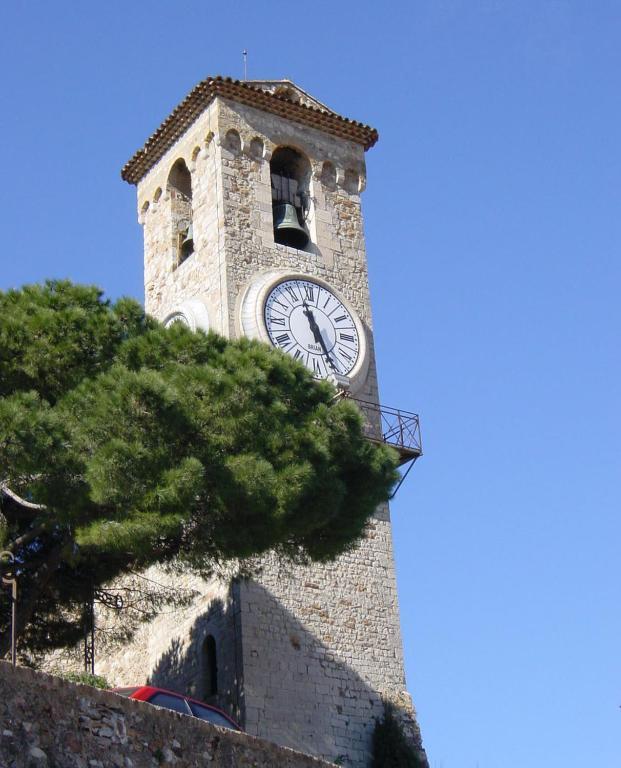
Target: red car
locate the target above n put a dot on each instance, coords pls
(179, 703)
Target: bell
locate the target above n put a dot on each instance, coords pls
(287, 227)
(187, 245)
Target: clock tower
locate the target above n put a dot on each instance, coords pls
(249, 197)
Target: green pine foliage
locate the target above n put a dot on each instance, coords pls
(391, 749)
(147, 444)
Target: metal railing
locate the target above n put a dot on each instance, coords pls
(399, 429)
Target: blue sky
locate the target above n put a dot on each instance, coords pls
(493, 232)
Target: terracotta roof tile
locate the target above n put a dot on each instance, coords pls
(206, 91)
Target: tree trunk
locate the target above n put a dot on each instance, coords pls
(27, 600)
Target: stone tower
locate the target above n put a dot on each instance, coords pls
(249, 197)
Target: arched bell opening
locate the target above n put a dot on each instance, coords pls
(179, 188)
(290, 174)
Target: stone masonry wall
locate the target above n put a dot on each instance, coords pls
(336, 253)
(321, 643)
(169, 651)
(46, 722)
(202, 275)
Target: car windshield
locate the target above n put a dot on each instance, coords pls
(211, 715)
(170, 701)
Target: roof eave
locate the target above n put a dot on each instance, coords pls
(201, 96)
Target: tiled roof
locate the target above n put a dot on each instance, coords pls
(206, 91)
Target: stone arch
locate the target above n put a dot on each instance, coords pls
(256, 148)
(351, 181)
(328, 175)
(290, 172)
(180, 179)
(179, 188)
(232, 141)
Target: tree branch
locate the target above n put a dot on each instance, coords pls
(18, 499)
(27, 537)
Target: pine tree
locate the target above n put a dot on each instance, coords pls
(124, 443)
(391, 749)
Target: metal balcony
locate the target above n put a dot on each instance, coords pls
(398, 429)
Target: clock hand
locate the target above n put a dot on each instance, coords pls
(312, 323)
(317, 333)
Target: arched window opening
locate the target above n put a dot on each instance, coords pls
(352, 181)
(290, 174)
(180, 190)
(256, 148)
(328, 175)
(210, 667)
(232, 141)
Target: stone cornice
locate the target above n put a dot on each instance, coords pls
(206, 91)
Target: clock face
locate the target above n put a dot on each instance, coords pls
(309, 322)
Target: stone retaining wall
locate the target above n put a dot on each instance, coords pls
(46, 722)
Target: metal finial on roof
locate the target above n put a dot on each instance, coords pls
(245, 55)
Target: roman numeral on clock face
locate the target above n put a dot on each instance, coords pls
(346, 337)
(277, 320)
(309, 292)
(340, 318)
(344, 354)
(292, 294)
(283, 338)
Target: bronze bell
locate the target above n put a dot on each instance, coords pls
(287, 227)
(187, 245)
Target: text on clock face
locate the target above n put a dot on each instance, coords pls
(310, 323)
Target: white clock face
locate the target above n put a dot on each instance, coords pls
(307, 321)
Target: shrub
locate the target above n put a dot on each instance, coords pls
(391, 749)
(86, 678)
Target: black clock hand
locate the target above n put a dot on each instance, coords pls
(317, 333)
(312, 323)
